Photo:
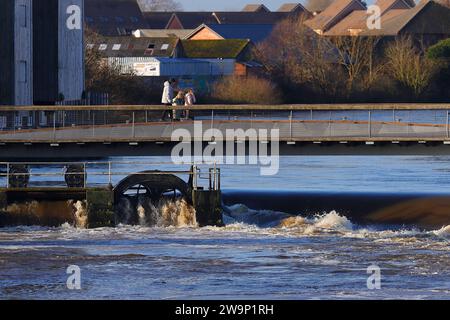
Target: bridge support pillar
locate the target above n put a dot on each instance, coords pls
(208, 206)
(100, 208)
(3, 207)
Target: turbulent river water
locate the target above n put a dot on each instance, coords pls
(260, 253)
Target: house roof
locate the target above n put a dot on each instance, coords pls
(214, 49)
(428, 17)
(357, 20)
(291, 7)
(156, 20)
(191, 20)
(255, 8)
(134, 47)
(163, 33)
(386, 5)
(113, 17)
(251, 17)
(317, 5)
(323, 20)
(254, 32)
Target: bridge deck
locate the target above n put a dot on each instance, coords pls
(295, 130)
(100, 131)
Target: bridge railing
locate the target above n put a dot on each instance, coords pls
(118, 123)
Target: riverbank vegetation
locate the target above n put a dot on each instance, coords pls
(300, 66)
(312, 68)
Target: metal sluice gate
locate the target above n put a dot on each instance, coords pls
(40, 189)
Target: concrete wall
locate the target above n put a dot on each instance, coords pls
(208, 207)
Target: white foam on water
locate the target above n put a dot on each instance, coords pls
(443, 232)
(80, 214)
(141, 215)
(161, 213)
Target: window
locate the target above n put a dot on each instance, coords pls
(22, 71)
(89, 19)
(134, 19)
(164, 47)
(90, 46)
(103, 47)
(151, 46)
(148, 52)
(22, 16)
(116, 47)
(120, 19)
(104, 19)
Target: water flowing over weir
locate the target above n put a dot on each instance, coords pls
(175, 198)
(161, 213)
(428, 211)
(146, 198)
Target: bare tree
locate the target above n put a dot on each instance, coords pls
(358, 57)
(160, 5)
(409, 66)
(294, 55)
(106, 78)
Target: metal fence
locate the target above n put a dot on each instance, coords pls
(18, 175)
(117, 124)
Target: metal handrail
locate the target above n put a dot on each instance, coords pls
(195, 171)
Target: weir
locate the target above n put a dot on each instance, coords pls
(104, 194)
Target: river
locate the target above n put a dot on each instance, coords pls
(321, 256)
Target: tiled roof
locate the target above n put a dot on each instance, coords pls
(255, 8)
(254, 32)
(356, 20)
(394, 13)
(156, 20)
(113, 17)
(427, 17)
(290, 7)
(251, 17)
(191, 20)
(386, 5)
(317, 5)
(323, 20)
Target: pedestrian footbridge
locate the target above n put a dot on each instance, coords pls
(100, 131)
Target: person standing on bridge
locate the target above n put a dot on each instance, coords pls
(167, 97)
(189, 101)
(177, 102)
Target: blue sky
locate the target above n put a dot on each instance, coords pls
(235, 5)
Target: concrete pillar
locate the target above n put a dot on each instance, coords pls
(100, 208)
(3, 206)
(208, 205)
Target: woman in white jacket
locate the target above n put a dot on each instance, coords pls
(167, 96)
